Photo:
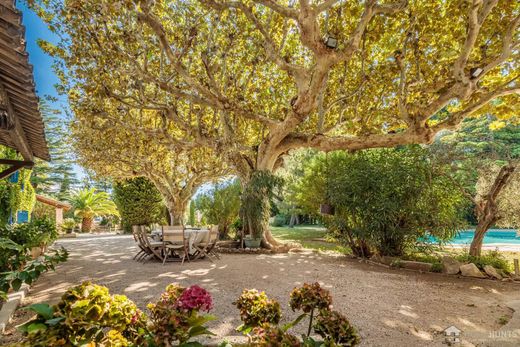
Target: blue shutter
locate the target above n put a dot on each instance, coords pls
(14, 177)
(22, 217)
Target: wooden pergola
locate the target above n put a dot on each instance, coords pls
(59, 206)
(21, 124)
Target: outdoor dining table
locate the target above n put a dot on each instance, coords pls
(194, 236)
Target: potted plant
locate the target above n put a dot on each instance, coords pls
(68, 225)
(251, 242)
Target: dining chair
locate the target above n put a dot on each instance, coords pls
(175, 242)
(142, 248)
(156, 248)
(207, 247)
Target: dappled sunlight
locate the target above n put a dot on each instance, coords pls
(476, 288)
(467, 322)
(197, 272)
(423, 335)
(407, 311)
(140, 286)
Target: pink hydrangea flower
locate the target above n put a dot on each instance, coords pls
(195, 298)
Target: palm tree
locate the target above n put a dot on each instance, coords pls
(88, 204)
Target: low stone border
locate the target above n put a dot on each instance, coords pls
(67, 236)
(244, 250)
(417, 266)
(10, 306)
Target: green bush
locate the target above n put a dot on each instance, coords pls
(139, 203)
(24, 269)
(220, 206)
(68, 224)
(385, 200)
(279, 221)
(36, 233)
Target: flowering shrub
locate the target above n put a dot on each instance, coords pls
(87, 313)
(272, 335)
(256, 309)
(310, 297)
(335, 329)
(175, 317)
(195, 298)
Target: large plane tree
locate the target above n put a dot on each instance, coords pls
(253, 79)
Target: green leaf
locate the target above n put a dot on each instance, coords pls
(54, 321)
(16, 284)
(44, 310)
(294, 322)
(199, 330)
(36, 327)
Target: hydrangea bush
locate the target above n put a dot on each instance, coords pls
(88, 315)
(316, 304)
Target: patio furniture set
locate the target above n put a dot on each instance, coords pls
(175, 243)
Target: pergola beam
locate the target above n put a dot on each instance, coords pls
(14, 165)
(16, 134)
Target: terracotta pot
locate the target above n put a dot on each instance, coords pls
(36, 252)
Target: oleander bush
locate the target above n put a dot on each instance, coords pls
(88, 315)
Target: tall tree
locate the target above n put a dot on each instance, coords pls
(57, 177)
(255, 79)
(484, 164)
(176, 172)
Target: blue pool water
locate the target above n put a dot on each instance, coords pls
(492, 236)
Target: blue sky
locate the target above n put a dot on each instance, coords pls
(44, 75)
(42, 63)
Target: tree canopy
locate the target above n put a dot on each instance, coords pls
(254, 79)
(117, 153)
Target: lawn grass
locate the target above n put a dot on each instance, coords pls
(309, 236)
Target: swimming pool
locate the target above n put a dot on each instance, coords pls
(493, 236)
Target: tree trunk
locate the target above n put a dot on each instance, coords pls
(176, 211)
(255, 207)
(487, 208)
(86, 224)
(483, 226)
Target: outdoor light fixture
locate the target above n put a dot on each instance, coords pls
(5, 122)
(331, 42)
(476, 71)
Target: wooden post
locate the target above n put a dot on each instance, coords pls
(517, 268)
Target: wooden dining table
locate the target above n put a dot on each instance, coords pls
(193, 235)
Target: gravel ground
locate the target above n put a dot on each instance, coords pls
(390, 307)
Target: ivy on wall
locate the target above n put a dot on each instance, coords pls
(14, 197)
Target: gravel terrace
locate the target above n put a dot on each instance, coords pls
(390, 307)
